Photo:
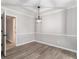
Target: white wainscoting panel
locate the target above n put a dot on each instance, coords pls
(64, 42)
(24, 38)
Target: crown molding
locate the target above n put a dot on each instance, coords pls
(5, 8)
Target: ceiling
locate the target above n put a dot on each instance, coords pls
(45, 5)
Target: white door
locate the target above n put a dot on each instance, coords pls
(3, 30)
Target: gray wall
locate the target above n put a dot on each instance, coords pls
(24, 26)
(53, 23)
(55, 29)
(71, 28)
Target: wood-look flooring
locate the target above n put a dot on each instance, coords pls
(35, 50)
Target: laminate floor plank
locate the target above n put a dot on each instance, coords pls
(37, 53)
(23, 52)
(20, 48)
(36, 50)
(29, 52)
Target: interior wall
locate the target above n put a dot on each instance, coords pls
(53, 23)
(24, 26)
(53, 31)
(71, 22)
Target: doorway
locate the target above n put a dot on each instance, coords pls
(11, 32)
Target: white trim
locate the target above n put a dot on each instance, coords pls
(22, 6)
(16, 11)
(24, 33)
(57, 34)
(57, 11)
(25, 43)
(56, 46)
(47, 44)
(52, 12)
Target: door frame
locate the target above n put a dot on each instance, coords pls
(14, 24)
(3, 32)
(4, 50)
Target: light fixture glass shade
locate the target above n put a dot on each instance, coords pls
(38, 20)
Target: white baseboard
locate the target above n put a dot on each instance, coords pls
(56, 46)
(47, 44)
(25, 43)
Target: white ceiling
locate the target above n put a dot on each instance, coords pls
(45, 4)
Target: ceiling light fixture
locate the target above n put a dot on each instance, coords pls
(38, 19)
